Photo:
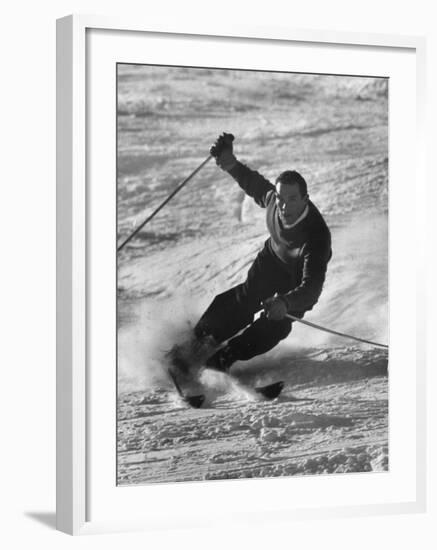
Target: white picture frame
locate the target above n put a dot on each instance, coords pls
(75, 341)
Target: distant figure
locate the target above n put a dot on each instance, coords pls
(286, 277)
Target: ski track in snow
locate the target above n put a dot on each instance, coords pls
(332, 416)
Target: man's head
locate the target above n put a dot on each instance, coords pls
(292, 196)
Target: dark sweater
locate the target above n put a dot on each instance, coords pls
(303, 250)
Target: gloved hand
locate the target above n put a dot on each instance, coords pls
(276, 308)
(222, 151)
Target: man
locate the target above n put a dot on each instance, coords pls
(286, 277)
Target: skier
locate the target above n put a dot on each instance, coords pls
(286, 277)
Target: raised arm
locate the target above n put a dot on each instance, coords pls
(253, 183)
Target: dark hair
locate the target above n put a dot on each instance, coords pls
(290, 177)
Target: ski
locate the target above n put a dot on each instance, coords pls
(270, 391)
(182, 365)
(195, 401)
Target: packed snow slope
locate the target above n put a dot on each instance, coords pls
(333, 413)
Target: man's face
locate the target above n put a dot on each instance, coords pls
(290, 202)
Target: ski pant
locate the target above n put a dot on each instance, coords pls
(234, 310)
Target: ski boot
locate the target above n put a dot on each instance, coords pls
(222, 359)
(189, 356)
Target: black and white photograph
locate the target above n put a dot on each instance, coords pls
(252, 274)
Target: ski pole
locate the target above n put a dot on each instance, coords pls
(318, 327)
(178, 188)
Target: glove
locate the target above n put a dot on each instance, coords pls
(222, 151)
(275, 308)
